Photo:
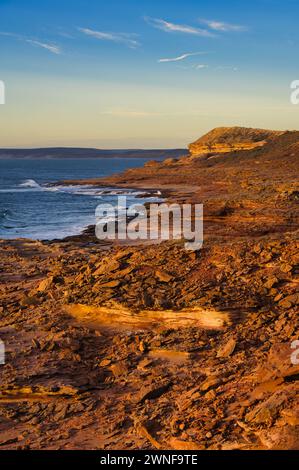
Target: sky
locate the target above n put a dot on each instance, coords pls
(144, 74)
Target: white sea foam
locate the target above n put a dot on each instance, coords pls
(14, 225)
(82, 190)
(30, 184)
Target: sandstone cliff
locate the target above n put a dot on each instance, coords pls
(228, 139)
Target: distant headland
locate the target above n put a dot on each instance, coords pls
(76, 152)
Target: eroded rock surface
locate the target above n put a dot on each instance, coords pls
(152, 346)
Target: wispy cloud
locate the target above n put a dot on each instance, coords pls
(123, 38)
(177, 28)
(222, 26)
(33, 42)
(194, 67)
(129, 113)
(182, 57)
(211, 68)
(11, 35)
(50, 47)
(201, 66)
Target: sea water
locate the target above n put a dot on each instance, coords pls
(34, 205)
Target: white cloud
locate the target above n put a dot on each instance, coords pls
(181, 57)
(12, 35)
(222, 26)
(50, 47)
(177, 28)
(124, 38)
(201, 66)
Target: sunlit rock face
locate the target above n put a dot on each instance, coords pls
(228, 139)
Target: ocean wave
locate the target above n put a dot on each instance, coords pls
(33, 185)
(91, 190)
(84, 190)
(30, 184)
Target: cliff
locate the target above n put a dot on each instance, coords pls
(228, 139)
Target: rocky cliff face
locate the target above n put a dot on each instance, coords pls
(228, 139)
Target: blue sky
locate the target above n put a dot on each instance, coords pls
(144, 73)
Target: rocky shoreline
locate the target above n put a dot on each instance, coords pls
(152, 346)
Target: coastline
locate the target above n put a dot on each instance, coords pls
(149, 230)
(154, 347)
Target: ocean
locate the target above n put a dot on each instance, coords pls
(30, 208)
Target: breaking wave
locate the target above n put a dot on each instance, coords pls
(30, 184)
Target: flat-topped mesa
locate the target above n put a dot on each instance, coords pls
(229, 139)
